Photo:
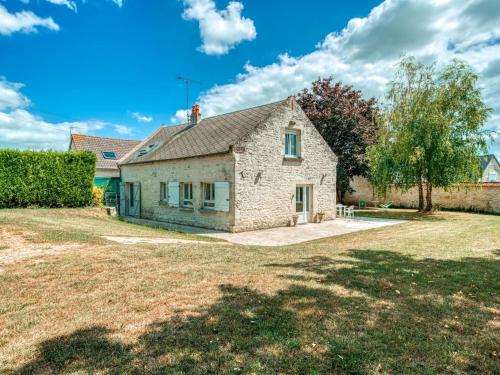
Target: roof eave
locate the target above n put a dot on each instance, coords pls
(229, 151)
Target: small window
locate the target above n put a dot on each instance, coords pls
(208, 195)
(163, 191)
(291, 144)
(111, 155)
(149, 148)
(187, 194)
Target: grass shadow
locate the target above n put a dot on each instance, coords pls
(399, 214)
(375, 312)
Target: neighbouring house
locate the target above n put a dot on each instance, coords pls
(255, 168)
(490, 169)
(108, 152)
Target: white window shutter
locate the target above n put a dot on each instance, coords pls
(173, 193)
(222, 196)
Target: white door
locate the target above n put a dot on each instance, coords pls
(302, 194)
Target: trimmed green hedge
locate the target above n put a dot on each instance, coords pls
(46, 178)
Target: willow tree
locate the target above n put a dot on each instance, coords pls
(432, 132)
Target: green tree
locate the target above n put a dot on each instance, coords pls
(432, 133)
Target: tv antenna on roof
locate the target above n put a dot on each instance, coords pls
(188, 82)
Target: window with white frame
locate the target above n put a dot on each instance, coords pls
(163, 191)
(291, 144)
(187, 194)
(208, 195)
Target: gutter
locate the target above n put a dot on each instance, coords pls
(229, 151)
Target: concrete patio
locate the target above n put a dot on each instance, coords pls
(283, 235)
(307, 232)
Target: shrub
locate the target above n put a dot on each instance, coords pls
(97, 196)
(46, 178)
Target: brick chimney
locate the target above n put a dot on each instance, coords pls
(195, 117)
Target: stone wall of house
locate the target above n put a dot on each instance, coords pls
(194, 170)
(265, 181)
(482, 197)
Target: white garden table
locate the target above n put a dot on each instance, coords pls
(341, 210)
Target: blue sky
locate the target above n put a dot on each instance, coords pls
(109, 67)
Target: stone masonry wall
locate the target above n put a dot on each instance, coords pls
(265, 181)
(482, 197)
(194, 170)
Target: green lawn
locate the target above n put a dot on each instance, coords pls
(420, 297)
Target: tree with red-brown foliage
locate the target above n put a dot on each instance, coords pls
(346, 121)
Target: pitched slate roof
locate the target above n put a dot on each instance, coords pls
(485, 160)
(213, 135)
(98, 145)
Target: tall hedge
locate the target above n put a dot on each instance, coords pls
(46, 178)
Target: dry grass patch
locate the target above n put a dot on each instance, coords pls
(420, 297)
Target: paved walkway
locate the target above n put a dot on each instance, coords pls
(283, 235)
(302, 233)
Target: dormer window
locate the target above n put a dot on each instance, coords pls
(111, 155)
(291, 144)
(148, 149)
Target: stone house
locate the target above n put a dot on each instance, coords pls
(490, 168)
(255, 168)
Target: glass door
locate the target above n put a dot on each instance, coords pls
(302, 194)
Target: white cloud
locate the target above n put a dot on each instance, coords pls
(180, 116)
(363, 54)
(141, 118)
(21, 129)
(10, 96)
(70, 4)
(122, 129)
(220, 30)
(67, 3)
(24, 21)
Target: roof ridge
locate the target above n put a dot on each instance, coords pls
(172, 126)
(96, 136)
(231, 112)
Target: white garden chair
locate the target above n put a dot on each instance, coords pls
(349, 211)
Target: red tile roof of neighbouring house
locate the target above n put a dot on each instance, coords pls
(98, 145)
